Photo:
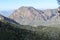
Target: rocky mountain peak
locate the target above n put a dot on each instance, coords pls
(26, 15)
(31, 16)
(25, 7)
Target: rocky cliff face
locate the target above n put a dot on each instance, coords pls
(32, 16)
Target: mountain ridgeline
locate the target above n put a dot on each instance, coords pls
(3, 18)
(35, 17)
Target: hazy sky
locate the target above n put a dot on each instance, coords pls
(40, 4)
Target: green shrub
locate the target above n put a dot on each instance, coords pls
(10, 31)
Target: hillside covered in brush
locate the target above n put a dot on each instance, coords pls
(10, 31)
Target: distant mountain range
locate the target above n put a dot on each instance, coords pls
(6, 12)
(32, 16)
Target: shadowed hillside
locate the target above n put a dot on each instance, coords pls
(10, 31)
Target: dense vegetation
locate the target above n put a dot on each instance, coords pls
(10, 31)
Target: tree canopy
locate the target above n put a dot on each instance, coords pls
(58, 2)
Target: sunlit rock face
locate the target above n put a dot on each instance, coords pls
(35, 17)
(27, 16)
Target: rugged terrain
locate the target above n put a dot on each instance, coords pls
(35, 17)
(9, 31)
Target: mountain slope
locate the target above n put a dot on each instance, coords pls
(35, 17)
(9, 31)
(3, 18)
(27, 16)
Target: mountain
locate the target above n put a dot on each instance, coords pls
(27, 16)
(31, 16)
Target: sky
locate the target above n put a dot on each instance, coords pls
(38, 4)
